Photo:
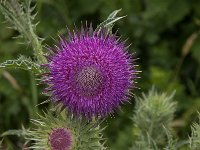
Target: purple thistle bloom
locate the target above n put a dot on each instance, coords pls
(60, 139)
(91, 73)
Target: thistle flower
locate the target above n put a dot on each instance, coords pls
(91, 73)
(60, 139)
(60, 131)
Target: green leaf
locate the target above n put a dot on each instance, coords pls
(14, 132)
(114, 14)
(110, 21)
(22, 63)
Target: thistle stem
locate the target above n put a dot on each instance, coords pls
(19, 15)
(37, 47)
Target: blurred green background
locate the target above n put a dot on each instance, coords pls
(165, 34)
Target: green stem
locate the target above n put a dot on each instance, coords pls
(34, 93)
(19, 14)
(37, 46)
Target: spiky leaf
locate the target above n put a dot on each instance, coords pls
(22, 63)
(110, 21)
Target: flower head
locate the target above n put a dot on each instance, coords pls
(60, 139)
(58, 130)
(91, 73)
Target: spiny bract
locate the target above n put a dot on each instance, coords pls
(61, 131)
(91, 73)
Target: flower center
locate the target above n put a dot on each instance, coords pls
(60, 139)
(89, 80)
